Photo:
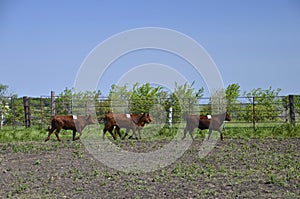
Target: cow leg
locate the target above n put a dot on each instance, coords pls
(126, 133)
(56, 133)
(134, 133)
(114, 134)
(191, 134)
(109, 129)
(139, 130)
(219, 130)
(104, 132)
(209, 133)
(50, 131)
(184, 135)
(74, 134)
(117, 131)
(221, 135)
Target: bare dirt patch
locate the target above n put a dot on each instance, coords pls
(236, 168)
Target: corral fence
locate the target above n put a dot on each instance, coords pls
(245, 112)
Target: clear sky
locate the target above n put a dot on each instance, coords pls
(254, 43)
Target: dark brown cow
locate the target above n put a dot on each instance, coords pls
(128, 121)
(67, 122)
(203, 122)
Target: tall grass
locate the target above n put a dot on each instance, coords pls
(21, 134)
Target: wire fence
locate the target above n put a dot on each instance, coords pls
(245, 112)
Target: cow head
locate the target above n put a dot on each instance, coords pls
(227, 116)
(146, 118)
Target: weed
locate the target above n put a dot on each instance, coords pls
(21, 187)
(37, 162)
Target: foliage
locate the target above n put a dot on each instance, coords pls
(119, 98)
(184, 100)
(263, 105)
(144, 97)
(297, 103)
(3, 90)
(15, 115)
(63, 102)
(223, 100)
(232, 93)
(6, 98)
(80, 103)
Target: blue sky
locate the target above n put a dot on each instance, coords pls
(253, 43)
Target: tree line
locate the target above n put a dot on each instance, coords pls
(155, 99)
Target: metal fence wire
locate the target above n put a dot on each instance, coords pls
(245, 112)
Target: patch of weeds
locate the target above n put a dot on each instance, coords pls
(208, 193)
(274, 179)
(140, 187)
(21, 188)
(22, 148)
(77, 152)
(109, 176)
(285, 130)
(96, 172)
(222, 169)
(37, 162)
(79, 189)
(77, 174)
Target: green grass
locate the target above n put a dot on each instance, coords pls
(152, 132)
(21, 134)
(284, 130)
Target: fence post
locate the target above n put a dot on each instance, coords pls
(292, 110)
(26, 111)
(13, 111)
(52, 103)
(253, 113)
(170, 113)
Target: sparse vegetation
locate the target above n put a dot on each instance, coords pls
(237, 167)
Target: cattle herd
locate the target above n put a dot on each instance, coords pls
(135, 122)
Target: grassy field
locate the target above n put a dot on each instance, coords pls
(247, 164)
(155, 132)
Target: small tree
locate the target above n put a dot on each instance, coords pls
(119, 99)
(64, 102)
(6, 99)
(265, 105)
(232, 93)
(184, 100)
(144, 97)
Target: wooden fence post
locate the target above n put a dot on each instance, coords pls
(292, 110)
(52, 103)
(26, 111)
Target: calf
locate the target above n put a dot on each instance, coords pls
(68, 122)
(203, 122)
(128, 121)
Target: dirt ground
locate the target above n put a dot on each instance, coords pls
(235, 168)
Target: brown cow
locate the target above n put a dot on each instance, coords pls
(67, 122)
(203, 122)
(128, 121)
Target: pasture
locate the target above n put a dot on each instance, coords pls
(260, 164)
